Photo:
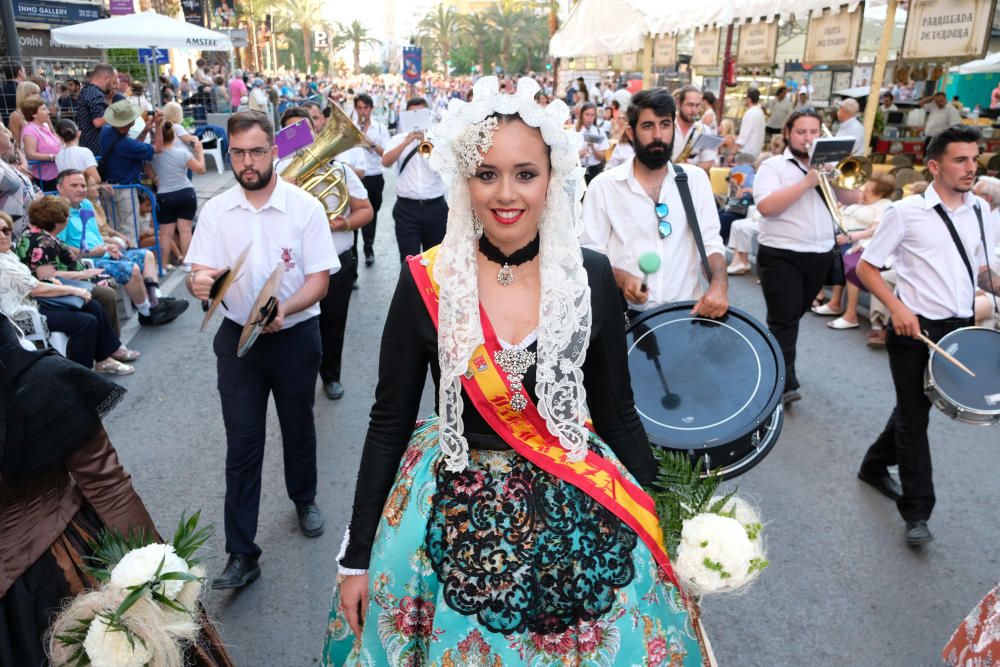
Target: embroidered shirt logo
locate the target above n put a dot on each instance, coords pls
(286, 257)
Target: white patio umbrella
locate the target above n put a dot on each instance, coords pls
(146, 30)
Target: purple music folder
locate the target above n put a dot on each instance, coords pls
(292, 138)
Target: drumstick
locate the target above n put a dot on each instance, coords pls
(937, 348)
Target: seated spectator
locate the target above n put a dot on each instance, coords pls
(47, 256)
(16, 188)
(135, 269)
(25, 89)
(860, 221)
(988, 188)
(727, 149)
(73, 155)
(740, 193)
(91, 338)
(107, 232)
(40, 143)
(220, 95)
(125, 158)
(775, 147)
(741, 238)
(176, 199)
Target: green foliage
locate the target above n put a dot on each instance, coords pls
(126, 61)
(111, 547)
(189, 538)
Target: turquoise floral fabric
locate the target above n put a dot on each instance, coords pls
(504, 564)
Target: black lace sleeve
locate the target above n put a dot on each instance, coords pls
(407, 341)
(606, 377)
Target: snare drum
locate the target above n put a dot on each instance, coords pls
(709, 387)
(973, 400)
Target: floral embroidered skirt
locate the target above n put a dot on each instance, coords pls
(504, 564)
(121, 269)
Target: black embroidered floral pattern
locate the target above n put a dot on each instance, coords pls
(523, 550)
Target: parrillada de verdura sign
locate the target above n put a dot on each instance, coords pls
(947, 29)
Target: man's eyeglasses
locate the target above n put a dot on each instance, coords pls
(6, 231)
(258, 153)
(663, 227)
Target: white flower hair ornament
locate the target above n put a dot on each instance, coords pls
(461, 140)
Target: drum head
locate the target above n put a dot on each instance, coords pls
(701, 385)
(979, 349)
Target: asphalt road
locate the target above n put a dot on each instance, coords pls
(842, 589)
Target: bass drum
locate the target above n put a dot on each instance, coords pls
(711, 388)
(972, 400)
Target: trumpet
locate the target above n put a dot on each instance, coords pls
(850, 173)
(425, 148)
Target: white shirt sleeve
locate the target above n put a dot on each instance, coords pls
(318, 251)
(888, 236)
(355, 188)
(766, 181)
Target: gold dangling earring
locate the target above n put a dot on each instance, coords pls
(477, 224)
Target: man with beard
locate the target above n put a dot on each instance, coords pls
(796, 237)
(282, 224)
(688, 109)
(636, 208)
(92, 103)
(940, 260)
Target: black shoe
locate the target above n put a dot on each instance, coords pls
(369, 257)
(310, 519)
(917, 533)
(334, 390)
(884, 484)
(354, 287)
(240, 570)
(790, 396)
(165, 311)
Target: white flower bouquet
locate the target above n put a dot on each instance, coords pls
(715, 542)
(145, 612)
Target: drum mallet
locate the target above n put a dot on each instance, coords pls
(648, 263)
(937, 348)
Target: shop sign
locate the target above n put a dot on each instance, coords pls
(834, 38)
(37, 43)
(603, 61)
(665, 51)
(947, 29)
(237, 35)
(706, 48)
(54, 13)
(758, 43)
(121, 7)
(630, 61)
(193, 12)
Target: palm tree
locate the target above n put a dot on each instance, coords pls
(478, 28)
(508, 18)
(441, 26)
(357, 35)
(334, 42)
(306, 14)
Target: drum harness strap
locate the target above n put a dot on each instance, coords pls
(685, 192)
(961, 250)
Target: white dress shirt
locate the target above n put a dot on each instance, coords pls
(751, 137)
(342, 240)
(378, 135)
(932, 279)
(599, 143)
(418, 180)
(806, 225)
(291, 228)
(680, 139)
(619, 220)
(619, 155)
(853, 128)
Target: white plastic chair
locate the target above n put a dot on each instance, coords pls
(215, 152)
(37, 330)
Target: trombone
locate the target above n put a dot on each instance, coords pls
(851, 174)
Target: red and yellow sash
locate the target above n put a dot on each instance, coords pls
(526, 432)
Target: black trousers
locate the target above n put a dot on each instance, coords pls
(333, 316)
(903, 441)
(420, 224)
(790, 281)
(91, 337)
(373, 186)
(284, 364)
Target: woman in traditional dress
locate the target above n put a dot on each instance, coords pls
(512, 533)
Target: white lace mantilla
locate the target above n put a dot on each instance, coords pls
(564, 317)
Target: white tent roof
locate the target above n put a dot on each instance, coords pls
(605, 27)
(990, 63)
(141, 31)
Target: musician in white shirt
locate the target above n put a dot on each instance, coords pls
(621, 217)
(688, 128)
(937, 276)
(421, 212)
(374, 181)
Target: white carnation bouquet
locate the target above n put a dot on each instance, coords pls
(715, 542)
(145, 612)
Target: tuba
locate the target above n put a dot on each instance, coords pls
(851, 173)
(311, 169)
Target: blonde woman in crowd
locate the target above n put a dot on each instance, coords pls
(25, 89)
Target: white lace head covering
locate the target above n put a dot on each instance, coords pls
(564, 318)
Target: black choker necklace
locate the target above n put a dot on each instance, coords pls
(505, 276)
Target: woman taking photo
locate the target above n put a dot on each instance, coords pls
(176, 199)
(595, 142)
(483, 548)
(40, 143)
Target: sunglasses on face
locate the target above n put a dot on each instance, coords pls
(6, 231)
(663, 227)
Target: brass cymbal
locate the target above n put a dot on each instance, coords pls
(263, 311)
(221, 285)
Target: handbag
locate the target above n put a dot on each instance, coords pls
(66, 301)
